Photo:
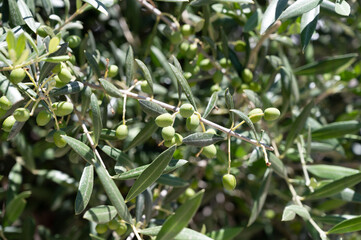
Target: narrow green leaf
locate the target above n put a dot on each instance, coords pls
(57, 59)
(245, 118)
(175, 223)
(146, 73)
(335, 186)
(342, 8)
(327, 65)
(70, 88)
(100, 214)
(143, 135)
(308, 25)
(179, 87)
(108, 134)
(212, 102)
(290, 212)
(129, 65)
(201, 139)
(253, 21)
(134, 173)
(272, 13)
(171, 180)
(229, 103)
(151, 173)
(277, 165)
(117, 155)
(186, 88)
(331, 172)
(93, 64)
(261, 197)
(53, 44)
(336, 129)
(80, 148)
(48, 66)
(298, 8)
(151, 108)
(85, 189)
(348, 195)
(14, 209)
(98, 5)
(186, 233)
(298, 125)
(11, 40)
(15, 17)
(96, 118)
(228, 233)
(26, 15)
(346, 226)
(253, 97)
(110, 88)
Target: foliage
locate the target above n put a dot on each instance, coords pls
(121, 119)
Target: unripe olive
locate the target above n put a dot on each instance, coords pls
(254, 86)
(176, 38)
(56, 69)
(192, 122)
(187, 75)
(209, 151)
(224, 62)
(192, 51)
(215, 88)
(189, 192)
(5, 103)
(217, 77)
(169, 143)
(113, 71)
(8, 123)
(62, 108)
(21, 114)
(186, 30)
(229, 182)
(43, 30)
(121, 132)
(43, 118)
(17, 75)
(121, 229)
(186, 110)
(2, 112)
(271, 114)
(256, 111)
(113, 224)
(145, 87)
(195, 70)
(240, 46)
(206, 64)
(101, 228)
(73, 41)
(211, 130)
(183, 47)
(58, 82)
(164, 120)
(58, 140)
(178, 139)
(65, 75)
(168, 133)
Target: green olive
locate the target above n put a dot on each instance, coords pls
(73, 40)
(145, 87)
(113, 224)
(5, 103)
(217, 76)
(186, 110)
(121, 132)
(21, 114)
(56, 69)
(255, 115)
(168, 133)
(192, 51)
(17, 75)
(58, 82)
(62, 108)
(240, 46)
(113, 71)
(187, 75)
(186, 30)
(192, 122)
(43, 118)
(101, 228)
(247, 75)
(178, 139)
(271, 114)
(176, 38)
(229, 182)
(211, 130)
(206, 64)
(183, 47)
(209, 151)
(65, 75)
(169, 143)
(121, 229)
(164, 120)
(43, 30)
(8, 123)
(58, 140)
(225, 63)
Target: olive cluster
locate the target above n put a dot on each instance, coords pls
(115, 224)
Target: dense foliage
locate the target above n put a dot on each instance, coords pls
(209, 119)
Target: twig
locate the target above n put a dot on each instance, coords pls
(304, 169)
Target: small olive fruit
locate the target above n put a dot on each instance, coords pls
(168, 133)
(206, 64)
(271, 114)
(211, 130)
(56, 69)
(101, 228)
(217, 76)
(113, 71)
(189, 192)
(215, 88)
(192, 122)
(176, 37)
(247, 75)
(183, 47)
(240, 46)
(5, 103)
(8, 123)
(17, 75)
(224, 62)
(21, 114)
(121, 132)
(62, 108)
(209, 151)
(187, 75)
(43, 30)
(113, 224)
(192, 51)
(121, 229)
(178, 139)
(58, 140)
(169, 143)
(65, 75)
(73, 41)
(164, 120)
(229, 182)
(43, 118)
(145, 87)
(253, 112)
(186, 30)
(186, 110)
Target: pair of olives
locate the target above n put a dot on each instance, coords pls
(270, 114)
(119, 227)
